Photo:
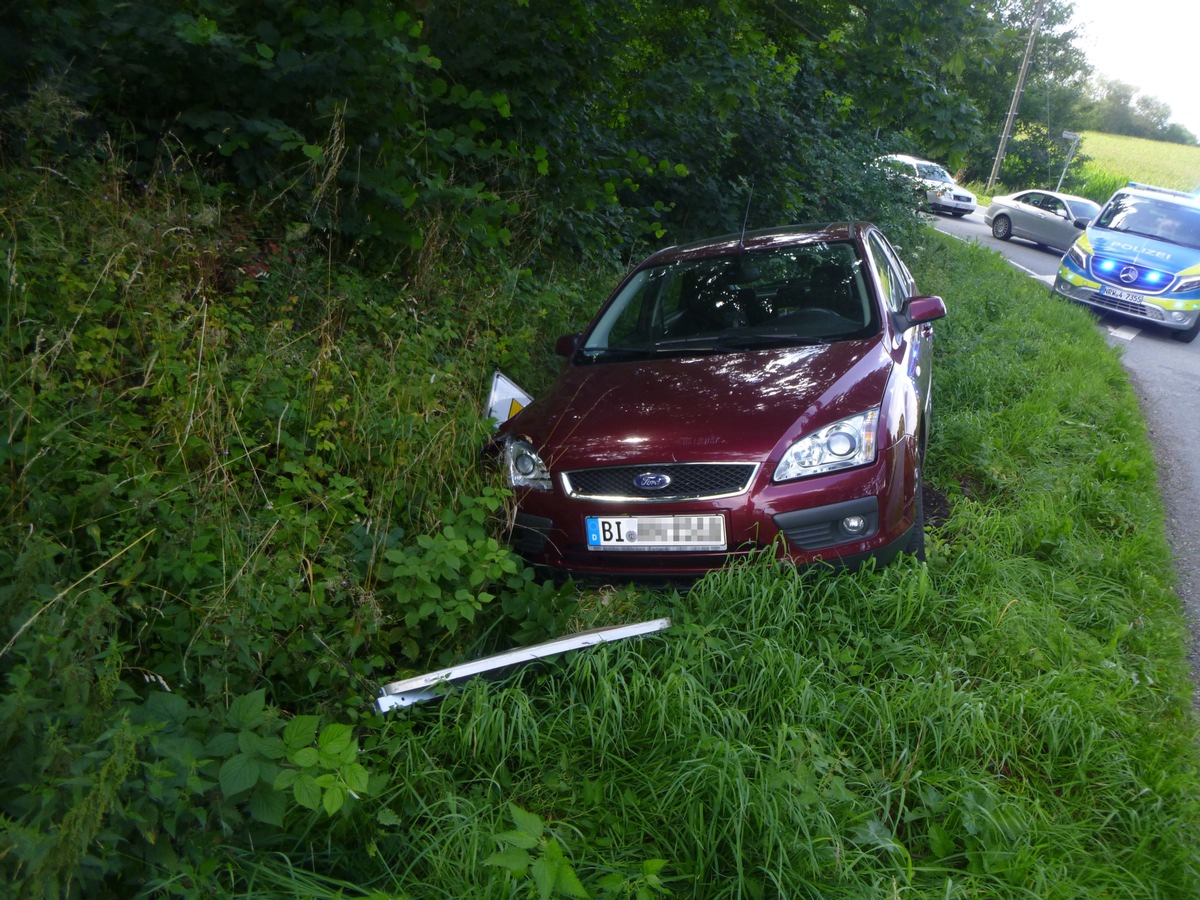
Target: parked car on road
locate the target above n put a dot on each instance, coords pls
(937, 189)
(1140, 257)
(1047, 218)
(769, 390)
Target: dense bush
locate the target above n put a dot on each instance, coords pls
(592, 127)
(235, 473)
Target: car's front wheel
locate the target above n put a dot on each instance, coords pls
(1002, 228)
(1188, 334)
(916, 537)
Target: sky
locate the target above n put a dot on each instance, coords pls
(1150, 44)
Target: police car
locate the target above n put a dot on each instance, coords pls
(1140, 257)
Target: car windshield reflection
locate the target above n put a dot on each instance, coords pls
(773, 298)
(1150, 218)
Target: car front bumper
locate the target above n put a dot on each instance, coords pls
(805, 522)
(1135, 305)
(949, 203)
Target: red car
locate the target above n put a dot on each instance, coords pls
(767, 390)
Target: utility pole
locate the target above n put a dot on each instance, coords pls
(1016, 97)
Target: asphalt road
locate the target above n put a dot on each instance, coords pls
(1165, 374)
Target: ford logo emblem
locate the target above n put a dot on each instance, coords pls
(651, 481)
(1129, 274)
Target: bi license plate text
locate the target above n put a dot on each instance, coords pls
(631, 533)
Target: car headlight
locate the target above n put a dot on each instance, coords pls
(1187, 284)
(525, 468)
(1077, 256)
(842, 445)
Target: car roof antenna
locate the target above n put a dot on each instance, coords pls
(745, 219)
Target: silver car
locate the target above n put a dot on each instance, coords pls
(1047, 218)
(938, 191)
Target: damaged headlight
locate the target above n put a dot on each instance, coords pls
(525, 468)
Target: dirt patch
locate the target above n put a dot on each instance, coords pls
(936, 506)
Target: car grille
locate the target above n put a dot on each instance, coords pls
(1115, 272)
(1128, 307)
(688, 481)
(962, 198)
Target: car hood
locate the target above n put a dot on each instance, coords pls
(934, 184)
(732, 406)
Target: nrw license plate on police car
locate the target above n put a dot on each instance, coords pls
(656, 533)
(1127, 296)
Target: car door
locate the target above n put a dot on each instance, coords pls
(1056, 229)
(1028, 218)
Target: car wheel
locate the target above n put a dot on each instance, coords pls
(1188, 334)
(1002, 228)
(916, 537)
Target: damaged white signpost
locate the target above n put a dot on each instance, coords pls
(505, 399)
(432, 685)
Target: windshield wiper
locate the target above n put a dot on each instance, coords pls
(594, 354)
(721, 343)
(753, 341)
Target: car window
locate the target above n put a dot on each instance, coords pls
(1053, 205)
(1083, 209)
(894, 280)
(1030, 199)
(805, 291)
(933, 172)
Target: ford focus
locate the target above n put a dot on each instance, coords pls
(761, 392)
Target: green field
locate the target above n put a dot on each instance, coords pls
(1124, 159)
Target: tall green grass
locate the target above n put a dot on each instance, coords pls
(1011, 719)
(1175, 166)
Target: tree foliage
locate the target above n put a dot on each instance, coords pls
(590, 125)
(1118, 108)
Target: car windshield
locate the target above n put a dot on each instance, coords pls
(783, 296)
(933, 172)
(1152, 218)
(1084, 209)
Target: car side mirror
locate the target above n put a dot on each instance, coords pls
(1081, 223)
(566, 345)
(919, 310)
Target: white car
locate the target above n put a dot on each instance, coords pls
(940, 191)
(1047, 218)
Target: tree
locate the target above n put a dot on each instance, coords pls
(1116, 107)
(1053, 90)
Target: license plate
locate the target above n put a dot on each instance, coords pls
(632, 533)
(1119, 294)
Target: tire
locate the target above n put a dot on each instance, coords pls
(1002, 228)
(916, 538)
(1188, 334)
